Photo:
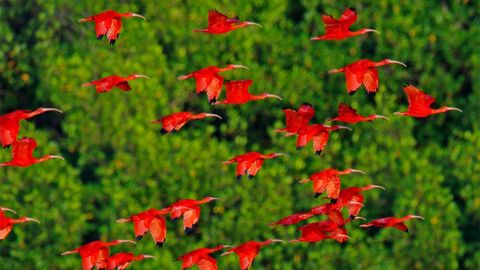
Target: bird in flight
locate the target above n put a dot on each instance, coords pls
(328, 181)
(397, 223)
(419, 103)
(318, 133)
(347, 114)
(247, 251)
(250, 163)
(6, 223)
(109, 23)
(175, 122)
(237, 93)
(201, 258)
(293, 219)
(364, 72)
(151, 220)
(353, 199)
(208, 81)
(95, 254)
(219, 23)
(22, 154)
(10, 123)
(106, 84)
(122, 260)
(332, 228)
(295, 120)
(338, 29)
(189, 209)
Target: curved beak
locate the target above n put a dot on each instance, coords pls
(315, 38)
(303, 181)
(123, 220)
(141, 76)
(240, 66)
(59, 157)
(377, 186)
(361, 218)
(419, 217)
(344, 235)
(344, 127)
(334, 71)
(213, 115)
(138, 15)
(7, 209)
(382, 116)
(372, 30)
(226, 253)
(273, 96)
(281, 154)
(32, 219)
(254, 23)
(397, 62)
(127, 241)
(398, 113)
(50, 110)
(218, 199)
(149, 257)
(356, 171)
(454, 109)
(277, 241)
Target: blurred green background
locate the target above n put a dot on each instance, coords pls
(117, 163)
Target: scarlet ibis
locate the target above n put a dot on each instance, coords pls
(250, 163)
(328, 180)
(237, 93)
(353, 194)
(319, 133)
(95, 253)
(201, 258)
(175, 121)
(208, 80)
(122, 260)
(327, 229)
(338, 29)
(396, 223)
(247, 251)
(219, 23)
(293, 219)
(151, 220)
(22, 154)
(296, 120)
(349, 115)
(6, 223)
(327, 208)
(106, 84)
(109, 23)
(10, 123)
(364, 72)
(4, 209)
(189, 209)
(419, 103)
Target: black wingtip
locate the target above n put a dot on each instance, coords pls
(307, 104)
(112, 42)
(299, 148)
(353, 9)
(99, 37)
(238, 177)
(213, 100)
(372, 94)
(163, 131)
(159, 244)
(250, 176)
(407, 231)
(333, 201)
(317, 153)
(352, 93)
(352, 217)
(317, 194)
(188, 230)
(138, 238)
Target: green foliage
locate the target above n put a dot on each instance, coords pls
(117, 163)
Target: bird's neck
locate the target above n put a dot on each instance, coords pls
(238, 25)
(198, 116)
(357, 33)
(42, 159)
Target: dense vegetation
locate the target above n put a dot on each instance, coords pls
(117, 163)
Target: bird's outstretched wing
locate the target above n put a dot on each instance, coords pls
(341, 24)
(320, 141)
(417, 98)
(216, 19)
(245, 259)
(139, 226)
(255, 167)
(23, 149)
(237, 89)
(190, 217)
(214, 88)
(401, 226)
(370, 79)
(125, 86)
(5, 231)
(345, 110)
(158, 229)
(101, 27)
(114, 30)
(207, 263)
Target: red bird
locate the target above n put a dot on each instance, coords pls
(349, 115)
(122, 260)
(296, 120)
(247, 251)
(10, 123)
(327, 208)
(419, 103)
(22, 154)
(201, 258)
(109, 23)
(250, 163)
(328, 229)
(363, 72)
(319, 133)
(237, 93)
(106, 84)
(95, 253)
(175, 122)
(151, 220)
(396, 223)
(328, 181)
(338, 29)
(6, 223)
(189, 209)
(293, 219)
(350, 195)
(219, 23)
(208, 80)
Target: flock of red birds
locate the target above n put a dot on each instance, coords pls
(208, 80)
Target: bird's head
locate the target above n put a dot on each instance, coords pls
(390, 61)
(232, 66)
(135, 76)
(131, 14)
